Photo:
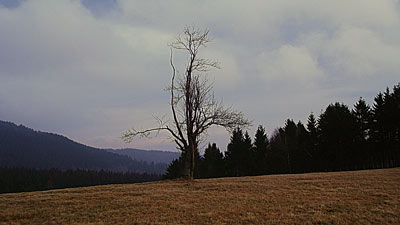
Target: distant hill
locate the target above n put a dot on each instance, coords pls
(24, 147)
(147, 155)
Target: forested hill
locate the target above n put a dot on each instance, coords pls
(24, 147)
(147, 155)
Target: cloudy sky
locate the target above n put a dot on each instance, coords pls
(91, 69)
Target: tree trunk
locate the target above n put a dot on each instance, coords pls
(191, 158)
(186, 164)
(192, 162)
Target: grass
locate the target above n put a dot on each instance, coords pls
(359, 197)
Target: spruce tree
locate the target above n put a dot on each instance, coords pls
(363, 117)
(302, 155)
(276, 160)
(312, 142)
(248, 156)
(312, 125)
(212, 164)
(391, 118)
(175, 168)
(378, 132)
(290, 140)
(238, 156)
(260, 150)
(234, 154)
(337, 129)
(396, 122)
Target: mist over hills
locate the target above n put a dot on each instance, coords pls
(147, 155)
(21, 146)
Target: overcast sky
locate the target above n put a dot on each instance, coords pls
(92, 69)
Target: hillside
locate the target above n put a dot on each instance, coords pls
(24, 147)
(359, 197)
(147, 155)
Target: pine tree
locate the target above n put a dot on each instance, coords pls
(175, 169)
(290, 141)
(391, 119)
(312, 142)
(248, 156)
(378, 132)
(234, 153)
(362, 114)
(260, 150)
(212, 165)
(396, 122)
(363, 117)
(238, 156)
(303, 156)
(277, 158)
(337, 129)
(312, 125)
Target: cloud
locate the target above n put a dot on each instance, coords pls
(361, 52)
(59, 65)
(289, 62)
(91, 69)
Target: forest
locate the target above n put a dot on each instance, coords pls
(339, 139)
(23, 147)
(30, 179)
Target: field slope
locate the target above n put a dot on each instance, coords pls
(360, 197)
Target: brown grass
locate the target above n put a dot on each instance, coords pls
(360, 197)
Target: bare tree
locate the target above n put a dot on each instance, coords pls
(193, 105)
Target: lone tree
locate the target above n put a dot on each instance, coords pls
(193, 105)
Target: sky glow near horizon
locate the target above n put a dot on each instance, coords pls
(92, 69)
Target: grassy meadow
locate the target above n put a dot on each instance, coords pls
(358, 197)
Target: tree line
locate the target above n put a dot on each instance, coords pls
(30, 179)
(340, 138)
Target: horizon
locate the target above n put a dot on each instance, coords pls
(89, 70)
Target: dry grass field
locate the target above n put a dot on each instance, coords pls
(360, 197)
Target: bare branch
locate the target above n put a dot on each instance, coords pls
(177, 123)
(193, 105)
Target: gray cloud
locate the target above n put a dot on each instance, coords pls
(91, 69)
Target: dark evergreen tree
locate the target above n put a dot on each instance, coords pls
(249, 156)
(289, 134)
(302, 155)
(337, 128)
(389, 127)
(294, 149)
(312, 143)
(378, 132)
(175, 169)
(396, 122)
(212, 164)
(260, 150)
(238, 155)
(233, 153)
(363, 117)
(277, 157)
(391, 122)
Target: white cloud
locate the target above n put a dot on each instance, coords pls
(153, 41)
(229, 75)
(361, 52)
(90, 77)
(289, 63)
